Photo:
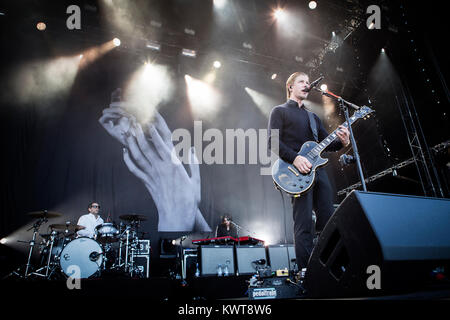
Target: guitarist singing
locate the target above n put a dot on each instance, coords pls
(293, 122)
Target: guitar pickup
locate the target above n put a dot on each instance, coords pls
(293, 171)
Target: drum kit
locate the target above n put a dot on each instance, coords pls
(113, 248)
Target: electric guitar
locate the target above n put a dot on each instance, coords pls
(286, 176)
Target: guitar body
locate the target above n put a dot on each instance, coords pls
(286, 176)
(289, 179)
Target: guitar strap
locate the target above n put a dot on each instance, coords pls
(313, 125)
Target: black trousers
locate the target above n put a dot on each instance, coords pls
(320, 198)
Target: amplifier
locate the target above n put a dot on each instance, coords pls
(213, 258)
(281, 256)
(142, 262)
(246, 257)
(273, 288)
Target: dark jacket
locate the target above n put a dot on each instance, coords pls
(294, 130)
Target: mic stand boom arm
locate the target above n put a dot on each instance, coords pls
(343, 104)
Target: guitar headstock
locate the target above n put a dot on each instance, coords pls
(363, 113)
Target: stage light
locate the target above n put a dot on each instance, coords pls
(273, 77)
(4, 241)
(210, 77)
(93, 53)
(42, 81)
(312, 5)
(153, 46)
(168, 248)
(149, 86)
(189, 53)
(324, 87)
(203, 98)
(189, 31)
(247, 45)
(262, 101)
(116, 42)
(41, 26)
(219, 3)
(217, 64)
(279, 14)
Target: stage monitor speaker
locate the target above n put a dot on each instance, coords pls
(281, 256)
(246, 257)
(213, 256)
(379, 243)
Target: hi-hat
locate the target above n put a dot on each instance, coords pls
(44, 214)
(133, 217)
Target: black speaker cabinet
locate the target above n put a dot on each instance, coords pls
(246, 256)
(213, 256)
(142, 262)
(281, 256)
(405, 237)
(189, 263)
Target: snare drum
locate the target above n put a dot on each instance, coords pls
(106, 233)
(83, 253)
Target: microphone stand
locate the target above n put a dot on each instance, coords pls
(238, 227)
(344, 104)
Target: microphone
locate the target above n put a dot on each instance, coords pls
(314, 83)
(235, 224)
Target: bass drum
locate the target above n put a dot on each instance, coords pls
(81, 258)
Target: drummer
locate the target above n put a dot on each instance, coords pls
(90, 221)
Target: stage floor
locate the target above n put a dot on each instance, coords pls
(172, 290)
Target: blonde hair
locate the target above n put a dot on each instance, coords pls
(290, 81)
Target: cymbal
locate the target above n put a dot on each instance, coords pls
(71, 227)
(133, 217)
(44, 214)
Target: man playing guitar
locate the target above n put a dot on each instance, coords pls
(293, 124)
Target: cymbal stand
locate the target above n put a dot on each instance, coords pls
(119, 264)
(127, 243)
(106, 247)
(35, 228)
(133, 249)
(47, 267)
(134, 245)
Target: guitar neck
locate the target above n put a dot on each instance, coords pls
(330, 138)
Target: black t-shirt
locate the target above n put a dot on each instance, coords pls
(223, 232)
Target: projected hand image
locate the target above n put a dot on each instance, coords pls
(147, 153)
